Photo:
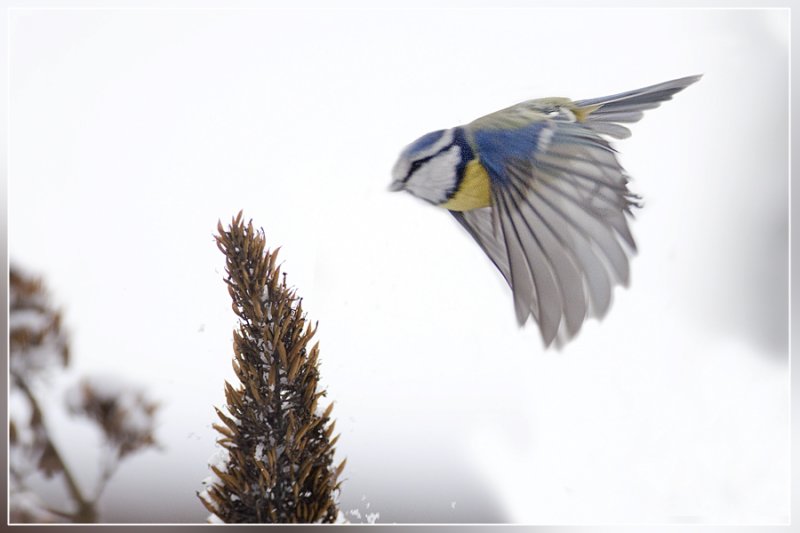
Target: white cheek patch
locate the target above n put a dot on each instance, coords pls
(436, 178)
(409, 155)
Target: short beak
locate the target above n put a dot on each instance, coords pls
(396, 186)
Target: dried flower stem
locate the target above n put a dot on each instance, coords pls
(279, 445)
(85, 510)
(37, 347)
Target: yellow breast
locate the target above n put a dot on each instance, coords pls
(474, 191)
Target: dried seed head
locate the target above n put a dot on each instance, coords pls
(280, 462)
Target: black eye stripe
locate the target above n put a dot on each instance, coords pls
(419, 162)
(466, 155)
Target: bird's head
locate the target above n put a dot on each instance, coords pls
(429, 167)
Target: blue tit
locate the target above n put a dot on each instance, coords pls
(539, 187)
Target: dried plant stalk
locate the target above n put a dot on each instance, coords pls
(126, 416)
(278, 465)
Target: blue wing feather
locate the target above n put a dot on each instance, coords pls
(560, 202)
(498, 147)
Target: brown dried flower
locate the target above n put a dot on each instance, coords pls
(36, 341)
(125, 415)
(37, 346)
(277, 459)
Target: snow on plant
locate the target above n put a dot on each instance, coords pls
(38, 347)
(278, 466)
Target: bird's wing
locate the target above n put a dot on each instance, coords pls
(559, 203)
(554, 223)
(478, 222)
(604, 114)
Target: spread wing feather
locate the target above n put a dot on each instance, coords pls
(554, 229)
(629, 106)
(479, 224)
(558, 219)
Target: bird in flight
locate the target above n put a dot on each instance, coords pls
(540, 189)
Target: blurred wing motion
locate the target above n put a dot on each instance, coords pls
(559, 202)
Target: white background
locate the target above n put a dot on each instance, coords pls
(133, 131)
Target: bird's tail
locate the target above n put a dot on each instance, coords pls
(604, 114)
